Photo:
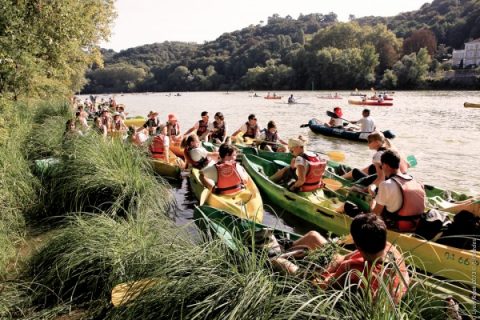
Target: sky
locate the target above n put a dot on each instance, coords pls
(142, 22)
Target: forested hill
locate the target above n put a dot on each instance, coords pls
(453, 22)
(313, 50)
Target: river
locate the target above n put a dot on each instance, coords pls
(431, 125)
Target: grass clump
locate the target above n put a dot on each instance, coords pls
(92, 254)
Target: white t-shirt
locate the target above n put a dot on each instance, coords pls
(389, 195)
(376, 159)
(244, 129)
(210, 172)
(367, 124)
(198, 154)
(337, 122)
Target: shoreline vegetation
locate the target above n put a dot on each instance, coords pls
(100, 217)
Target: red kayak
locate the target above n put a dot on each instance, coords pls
(370, 103)
(272, 97)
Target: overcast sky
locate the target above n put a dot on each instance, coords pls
(147, 21)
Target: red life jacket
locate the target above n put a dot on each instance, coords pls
(313, 177)
(157, 147)
(413, 203)
(202, 127)
(196, 164)
(229, 180)
(251, 131)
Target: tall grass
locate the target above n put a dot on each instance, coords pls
(106, 176)
(87, 258)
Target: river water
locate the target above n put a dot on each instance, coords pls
(431, 125)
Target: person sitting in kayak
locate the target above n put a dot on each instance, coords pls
(218, 133)
(151, 124)
(195, 155)
(305, 171)
(373, 174)
(400, 199)
(173, 128)
(226, 176)
(250, 129)
(375, 259)
(271, 140)
(291, 99)
(367, 124)
(160, 144)
(202, 127)
(118, 124)
(336, 122)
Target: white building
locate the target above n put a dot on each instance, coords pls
(470, 55)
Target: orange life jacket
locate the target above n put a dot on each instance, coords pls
(313, 178)
(413, 203)
(157, 147)
(196, 164)
(229, 180)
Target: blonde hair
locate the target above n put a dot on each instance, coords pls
(189, 139)
(378, 136)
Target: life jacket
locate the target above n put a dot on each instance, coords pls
(196, 164)
(157, 147)
(202, 128)
(413, 203)
(251, 131)
(313, 178)
(173, 129)
(229, 180)
(220, 133)
(271, 137)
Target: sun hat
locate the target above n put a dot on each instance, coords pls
(172, 117)
(296, 142)
(116, 114)
(152, 113)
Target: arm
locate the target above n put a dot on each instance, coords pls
(236, 132)
(301, 177)
(208, 183)
(189, 131)
(380, 175)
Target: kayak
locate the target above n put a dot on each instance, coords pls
(321, 128)
(177, 149)
(246, 203)
(330, 97)
(272, 98)
(324, 209)
(232, 230)
(171, 169)
(136, 122)
(471, 105)
(370, 103)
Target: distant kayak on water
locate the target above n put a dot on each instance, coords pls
(471, 105)
(370, 103)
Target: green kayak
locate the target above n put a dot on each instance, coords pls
(234, 230)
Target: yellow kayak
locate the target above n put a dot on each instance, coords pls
(136, 122)
(176, 149)
(171, 169)
(471, 105)
(245, 204)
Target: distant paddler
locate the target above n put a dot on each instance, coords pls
(291, 99)
(336, 122)
(367, 124)
(202, 127)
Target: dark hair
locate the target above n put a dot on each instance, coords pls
(392, 158)
(226, 150)
(187, 140)
(220, 115)
(271, 124)
(204, 113)
(366, 111)
(369, 233)
(251, 116)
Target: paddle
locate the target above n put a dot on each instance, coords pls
(412, 161)
(204, 196)
(387, 133)
(334, 155)
(125, 292)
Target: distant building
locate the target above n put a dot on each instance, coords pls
(470, 55)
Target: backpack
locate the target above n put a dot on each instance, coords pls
(463, 231)
(432, 224)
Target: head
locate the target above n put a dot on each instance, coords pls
(377, 140)
(152, 114)
(390, 162)
(369, 233)
(97, 121)
(297, 145)
(116, 116)
(338, 111)
(252, 119)
(70, 125)
(192, 141)
(227, 152)
(366, 113)
(204, 116)
(172, 118)
(271, 126)
(104, 113)
(219, 116)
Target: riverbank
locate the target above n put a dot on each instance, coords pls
(102, 218)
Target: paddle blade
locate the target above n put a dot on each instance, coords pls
(388, 134)
(338, 156)
(332, 184)
(204, 196)
(125, 292)
(304, 125)
(412, 161)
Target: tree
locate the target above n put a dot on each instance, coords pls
(423, 38)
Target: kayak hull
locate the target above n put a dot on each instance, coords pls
(245, 204)
(322, 129)
(471, 105)
(135, 122)
(370, 103)
(171, 169)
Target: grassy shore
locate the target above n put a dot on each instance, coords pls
(104, 219)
